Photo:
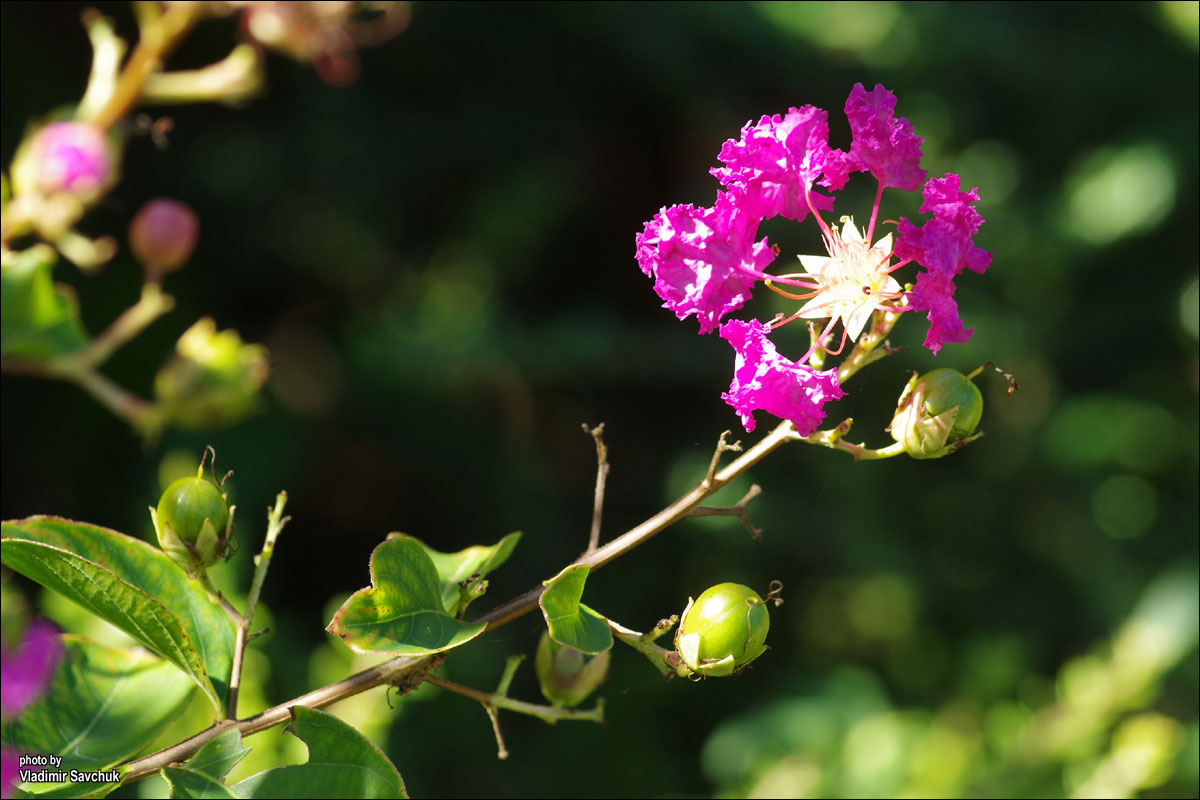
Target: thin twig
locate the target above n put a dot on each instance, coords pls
(722, 447)
(602, 467)
(275, 523)
(549, 714)
(736, 510)
(158, 38)
(784, 432)
(667, 662)
(832, 438)
(149, 307)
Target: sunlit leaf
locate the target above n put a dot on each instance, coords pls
(219, 755)
(103, 706)
(454, 568)
(132, 585)
(403, 612)
(570, 621)
(341, 763)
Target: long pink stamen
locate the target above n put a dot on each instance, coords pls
(815, 213)
(875, 213)
(820, 342)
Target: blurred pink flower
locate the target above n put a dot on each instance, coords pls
(25, 673)
(23, 677)
(71, 157)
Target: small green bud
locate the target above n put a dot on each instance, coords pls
(193, 522)
(937, 414)
(566, 675)
(723, 630)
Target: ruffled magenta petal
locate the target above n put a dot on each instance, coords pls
(768, 168)
(764, 380)
(704, 261)
(944, 246)
(882, 145)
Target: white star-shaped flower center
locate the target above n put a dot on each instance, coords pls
(852, 281)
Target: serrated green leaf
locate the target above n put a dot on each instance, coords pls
(402, 613)
(454, 568)
(37, 319)
(134, 586)
(103, 706)
(341, 763)
(571, 622)
(219, 755)
(188, 783)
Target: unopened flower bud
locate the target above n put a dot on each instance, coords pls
(723, 630)
(566, 675)
(163, 234)
(937, 414)
(193, 522)
(64, 157)
(212, 380)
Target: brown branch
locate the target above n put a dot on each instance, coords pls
(602, 467)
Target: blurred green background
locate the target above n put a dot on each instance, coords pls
(440, 258)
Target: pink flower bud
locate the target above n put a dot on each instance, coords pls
(163, 234)
(71, 157)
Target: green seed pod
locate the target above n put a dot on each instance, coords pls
(194, 522)
(723, 630)
(566, 675)
(937, 414)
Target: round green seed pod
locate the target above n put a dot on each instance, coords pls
(937, 413)
(193, 523)
(723, 630)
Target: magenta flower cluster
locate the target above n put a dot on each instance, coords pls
(706, 261)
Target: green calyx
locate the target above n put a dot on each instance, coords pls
(723, 630)
(193, 522)
(937, 414)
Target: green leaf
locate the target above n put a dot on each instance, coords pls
(403, 612)
(103, 706)
(134, 586)
(188, 783)
(219, 755)
(570, 621)
(454, 568)
(341, 763)
(37, 319)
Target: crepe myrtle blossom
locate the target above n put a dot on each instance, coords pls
(23, 677)
(705, 261)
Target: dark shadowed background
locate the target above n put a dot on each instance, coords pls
(440, 259)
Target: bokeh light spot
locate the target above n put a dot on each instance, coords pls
(1125, 506)
(1117, 193)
